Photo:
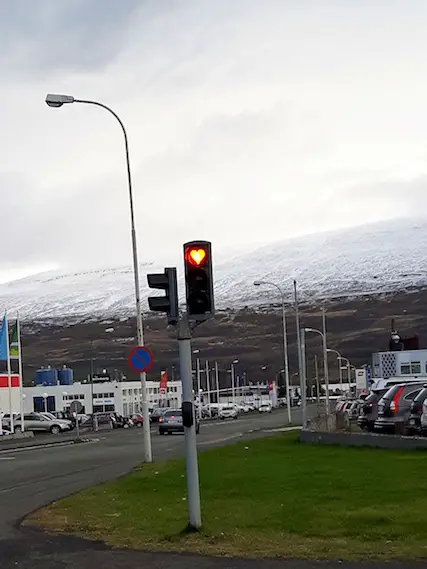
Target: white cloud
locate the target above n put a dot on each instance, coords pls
(248, 122)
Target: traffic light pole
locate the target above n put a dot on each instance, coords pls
(193, 486)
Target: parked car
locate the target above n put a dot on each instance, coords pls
(137, 420)
(157, 413)
(368, 413)
(228, 412)
(265, 407)
(416, 410)
(352, 411)
(120, 422)
(52, 417)
(171, 422)
(395, 406)
(66, 416)
(38, 423)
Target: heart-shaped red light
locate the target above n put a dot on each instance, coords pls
(196, 256)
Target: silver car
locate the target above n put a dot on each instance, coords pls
(39, 423)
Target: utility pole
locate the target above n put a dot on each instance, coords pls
(188, 419)
(303, 379)
(300, 367)
(316, 371)
(325, 363)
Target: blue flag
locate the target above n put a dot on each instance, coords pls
(3, 340)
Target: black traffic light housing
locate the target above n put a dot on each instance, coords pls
(169, 303)
(199, 292)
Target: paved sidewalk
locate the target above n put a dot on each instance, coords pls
(34, 550)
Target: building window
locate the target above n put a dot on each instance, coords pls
(415, 367)
(405, 369)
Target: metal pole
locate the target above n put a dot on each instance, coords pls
(233, 391)
(298, 331)
(340, 374)
(193, 487)
(91, 374)
(21, 374)
(199, 388)
(325, 362)
(303, 381)
(349, 375)
(316, 370)
(285, 351)
(139, 327)
(217, 382)
(208, 387)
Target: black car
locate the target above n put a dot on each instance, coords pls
(413, 425)
(369, 409)
(394, 407)
(171, 422)
(157, 414)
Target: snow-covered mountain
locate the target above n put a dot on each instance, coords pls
(386, 256)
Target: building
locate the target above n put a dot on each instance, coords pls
(399, 363)
(122, 397)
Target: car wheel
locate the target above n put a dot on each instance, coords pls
(197, 430)
(139, 425)
(55, 430)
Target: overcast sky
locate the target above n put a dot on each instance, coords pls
(249, 121)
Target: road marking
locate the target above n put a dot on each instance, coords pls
(7, 458)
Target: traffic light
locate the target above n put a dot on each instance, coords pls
(168, 303)
(199, 280)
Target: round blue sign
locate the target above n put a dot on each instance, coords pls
(140, 359)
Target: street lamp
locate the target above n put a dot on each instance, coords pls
(339, 364)
(341, 358)
(56, 101)
(325, 363)
(285, 343)
(233, 381)
(45, 396)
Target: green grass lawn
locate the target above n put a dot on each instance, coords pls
(267, 497)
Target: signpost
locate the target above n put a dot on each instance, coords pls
(76, 408)
(140, 359)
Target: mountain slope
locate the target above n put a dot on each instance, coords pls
(386, 256)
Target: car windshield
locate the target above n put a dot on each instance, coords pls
(173, 414)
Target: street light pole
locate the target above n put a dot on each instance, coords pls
(348, 372)
(217, 383)
(285, 345)
(339, 366)
(58, 101)
(325, 360)
(325, 365)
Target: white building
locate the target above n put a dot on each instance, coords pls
(400, 363)
(123, 397)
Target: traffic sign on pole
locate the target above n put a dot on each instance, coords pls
(140, 359)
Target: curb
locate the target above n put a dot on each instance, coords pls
(47, 445)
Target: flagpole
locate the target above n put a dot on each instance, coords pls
(9, 375)
(21, 377)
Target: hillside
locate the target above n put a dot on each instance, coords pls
(380, 257)
(355, 327)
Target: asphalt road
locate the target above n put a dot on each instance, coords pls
(30, 479)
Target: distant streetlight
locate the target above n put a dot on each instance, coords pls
(56, 101)
(199, 386)
(341, 358)
(325, 364)
(285, 343)
(233, 380)
(339, 364)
